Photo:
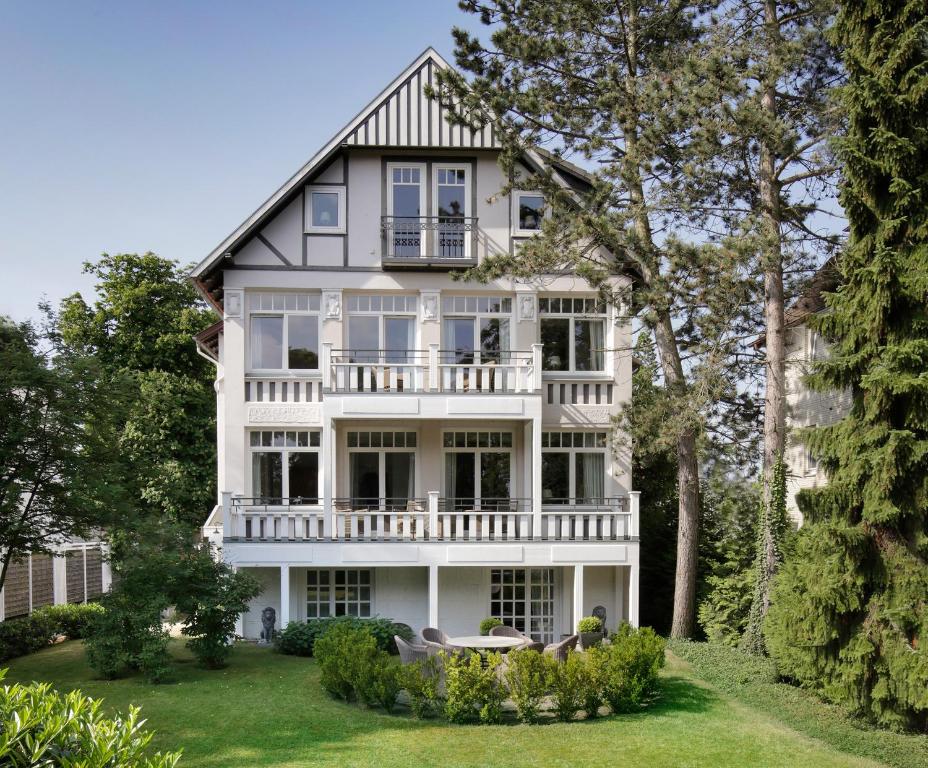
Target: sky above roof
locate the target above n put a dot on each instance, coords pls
(134, 126)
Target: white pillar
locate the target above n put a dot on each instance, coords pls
(433, 515)
(326, 363)
(60, 578)
(284, 597)
(536, 477)
(434, 378)
(328, 479)
(633, 593)
(433, 595)
(634, 500)
(578, 597)
(228, 529)
(536, 367)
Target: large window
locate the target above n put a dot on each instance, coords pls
(573, 467)
(285, 465)
(284, 331)
(451, 201)
(572, 334)
(338, 592)
(406, 204)
(382, 466)
(476, 329)
(523, 598)
(381, 328)
(478, 469)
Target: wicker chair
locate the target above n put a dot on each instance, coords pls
(435, 641)
(560, 650)
(527, 642)
(410, 653)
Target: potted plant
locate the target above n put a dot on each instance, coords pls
(590, 629)
(487, 624)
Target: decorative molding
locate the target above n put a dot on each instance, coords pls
(392, 405)
(430, 304)
(589, 553)
(232, 304)
(527, 306)
(386, 553)
(484, 554)
(284, 414)
(486, 405)
(579, 414)
(332, 305)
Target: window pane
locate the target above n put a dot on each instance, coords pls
(399, 339)
(363, 338)
(555, 477)
(267, 476)
(365, 477)
(459, 340)
(460, 478)
(399, 477)
(303, 341)
(591, 476)
(267, 342)
(494, 339)
(494, 475)
(588, 343)
(555, 340)
(531, 211)
(325, 209)
(304, 476)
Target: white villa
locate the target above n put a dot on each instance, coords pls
(396, 442)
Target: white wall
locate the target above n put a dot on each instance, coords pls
(463, 599)
(269, 597)
(402, 594)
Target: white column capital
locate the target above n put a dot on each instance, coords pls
(332, 305)
(430, 306)
(526, 306)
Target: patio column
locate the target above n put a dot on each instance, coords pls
(433, 595)
(328, 476)
(633, 593)
(578, 597)
(284, 618)
(536, 477)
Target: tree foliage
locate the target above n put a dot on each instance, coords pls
(849, 614)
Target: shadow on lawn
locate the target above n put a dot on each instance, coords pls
(677, 694)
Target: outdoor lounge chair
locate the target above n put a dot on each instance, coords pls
(435, 641)
(410, 652)
(528, 643)
(559, 650)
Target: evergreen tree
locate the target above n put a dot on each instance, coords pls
(849, 610)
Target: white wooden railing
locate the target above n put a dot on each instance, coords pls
(268, 389)
(432, 370)
(431, 519)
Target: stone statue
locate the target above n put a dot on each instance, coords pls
(600, 613)
(268, 617)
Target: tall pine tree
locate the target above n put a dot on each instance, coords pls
(849, 611)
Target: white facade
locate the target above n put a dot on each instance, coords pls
(396, 442)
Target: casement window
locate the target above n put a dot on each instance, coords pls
(406, 204)
(381, 328)
(284, 331)
(285, 465)
(573, 467)
(325, 210)
(476, 329)
(338, 592)
(523, 598)
(572, 334)
(811, 461)
(451, 200)
(528, 212)
(382, 466)
(478, 469)
(817, 348)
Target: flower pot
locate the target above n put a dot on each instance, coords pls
(589, 639)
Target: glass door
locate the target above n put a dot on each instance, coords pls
(405, 206)
(451, 190)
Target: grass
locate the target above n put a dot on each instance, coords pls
(269, 710)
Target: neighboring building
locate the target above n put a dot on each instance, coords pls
(805, 407)
(76, 572)
(393, 441)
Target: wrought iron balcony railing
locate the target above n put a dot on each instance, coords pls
(429, 240)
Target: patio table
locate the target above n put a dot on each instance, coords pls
(483, 643)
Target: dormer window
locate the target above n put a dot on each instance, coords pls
(529, 211)
(325, 210)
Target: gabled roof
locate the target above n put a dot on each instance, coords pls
(399, 116)
(811, 301)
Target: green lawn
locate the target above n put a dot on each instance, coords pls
(268, 710)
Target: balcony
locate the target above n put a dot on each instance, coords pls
(435, 242)
(431, 519)
(430, 371)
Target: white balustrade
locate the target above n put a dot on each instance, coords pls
(262, 389)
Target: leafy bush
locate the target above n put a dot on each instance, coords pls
(590, 624)
(386, 681)
(421, 680)
(25, 635)
(487, 624)
(215, 597)
(567, 683)
(71, 619)
(632, 662)
(527, 675)
(299, 638)
(592, 677)
(344, 652)
(723, 614)
(473, 692)
(128, 635)
(44, 727)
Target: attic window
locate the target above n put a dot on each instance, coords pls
(529, 212)
(325, 210)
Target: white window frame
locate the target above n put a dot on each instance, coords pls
(331, 590)
(423, 205)
(381, 460)
(572, 451)
(517, 231)
(338, 229)
(383, 316)
(285, 451)
(572, 317)
(467, 195)
(478, 451)
(554, 585)
(811, 463)
(475, 315)
(285, 341)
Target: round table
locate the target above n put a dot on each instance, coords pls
(485, 642)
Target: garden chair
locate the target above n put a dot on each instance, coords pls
(560, 650)
(527, 642)
(410, 652)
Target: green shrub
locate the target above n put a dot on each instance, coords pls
(127, 635)
(473, 692)
(299, 638)
(728, 669)
(421, 680)
(44, 727)
(344, 653)
(70, 619)
(633, 661)
(386, 681)
(567, 683)
(590, 624)
(487, 624)
(527, 677)
(592, 676)
(25, 635)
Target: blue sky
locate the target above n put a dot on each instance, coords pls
(160, 126)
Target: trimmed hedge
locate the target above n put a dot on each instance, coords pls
(299, 638)
(31, 633)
